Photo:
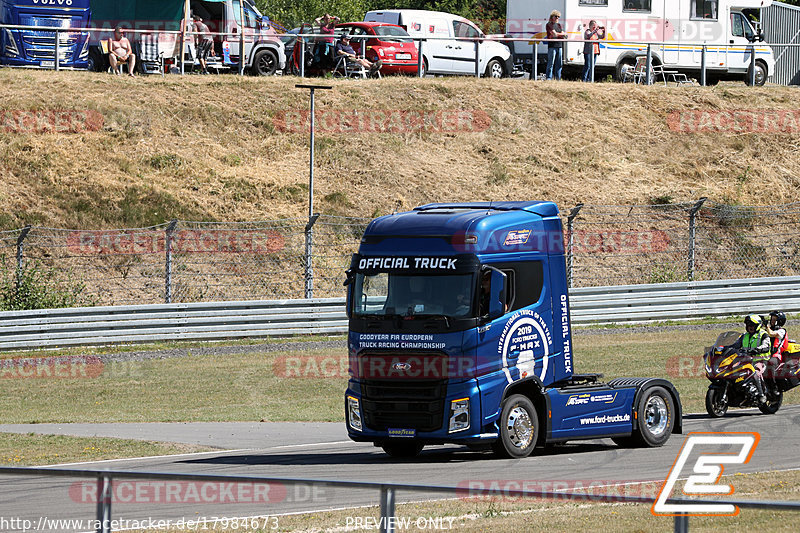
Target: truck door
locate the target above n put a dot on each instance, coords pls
(741, 35)
(463, 49)
(670, 32)
(250, 28)
(437, 51)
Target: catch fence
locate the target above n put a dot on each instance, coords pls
(182, 261)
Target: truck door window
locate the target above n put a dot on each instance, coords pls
(740, 27)
(704, 9)
(640, 6)
(525, 281)
(464, 30)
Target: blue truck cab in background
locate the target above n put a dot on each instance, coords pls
(459, 332)
(36, 49)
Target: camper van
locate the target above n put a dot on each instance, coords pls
(264, 52)
(447, 50)
(676, 30)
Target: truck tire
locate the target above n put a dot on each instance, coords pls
(402, 449)
(519, 428)
(265, 63)
(494, 69)
(761, 74)
(624, 65)
(714, 406)
(656, 415)
(772, 405)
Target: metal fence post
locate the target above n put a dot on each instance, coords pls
(103, 504)
(20, 260)
(681, 523)
(168, 265)
(535, 61)
(363, 48)
(387, 510)
(241, 38)
(309, 266)
(649, 69)
(57, 52)
(477, 60)
(703, 79)
(570, 240)
(692, 231)
(751, 74)
(302, 57)
(420, 60)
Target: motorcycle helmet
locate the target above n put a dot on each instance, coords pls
(780, 318)
(752, 320)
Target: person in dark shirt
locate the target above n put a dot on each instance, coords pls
(556, 33)
(343, 48)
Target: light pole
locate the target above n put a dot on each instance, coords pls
(309, 271)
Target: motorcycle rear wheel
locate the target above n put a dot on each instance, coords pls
(715, 407)
(772, 405)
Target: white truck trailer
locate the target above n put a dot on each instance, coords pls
(677, 30)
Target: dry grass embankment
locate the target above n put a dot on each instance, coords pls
(208, 148)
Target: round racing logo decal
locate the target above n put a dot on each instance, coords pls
(525, 346)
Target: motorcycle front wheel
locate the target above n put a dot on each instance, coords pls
(716, 406)
(772, 404)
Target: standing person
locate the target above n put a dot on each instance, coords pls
(554, 48)
(327, 25)
(120, 51)
(203, 42)
(591, 50)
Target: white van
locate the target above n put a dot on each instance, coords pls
(671, 24)
(446, 52)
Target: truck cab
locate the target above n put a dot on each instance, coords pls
(459, 332)
(37, 49)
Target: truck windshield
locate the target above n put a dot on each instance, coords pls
(387, 294)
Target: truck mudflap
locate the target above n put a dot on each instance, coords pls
(641, 385)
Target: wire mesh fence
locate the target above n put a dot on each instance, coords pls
(183, 261)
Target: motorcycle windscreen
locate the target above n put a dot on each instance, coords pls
(727, 338)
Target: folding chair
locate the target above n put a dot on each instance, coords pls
(347, 68)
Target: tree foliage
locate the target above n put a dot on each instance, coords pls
(288, 14)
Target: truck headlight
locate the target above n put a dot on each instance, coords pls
(353, 413)
(459, 415)
(11, 45)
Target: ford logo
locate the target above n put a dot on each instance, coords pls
(401, 366)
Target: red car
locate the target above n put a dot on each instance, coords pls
(388, 42)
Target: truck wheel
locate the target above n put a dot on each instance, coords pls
(761, 74)
(494, 69)
(715, 407)
(773, 404)
(403, 449)
(624, 66)
(519, 428)
(656, 415)
(265, 63)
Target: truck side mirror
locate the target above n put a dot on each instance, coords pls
(348, 282)
(497, 294)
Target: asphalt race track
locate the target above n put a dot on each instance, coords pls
(322, 451)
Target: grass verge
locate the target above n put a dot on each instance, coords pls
(34, 450)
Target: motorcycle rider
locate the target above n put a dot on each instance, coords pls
(755, 342)
(779, 339)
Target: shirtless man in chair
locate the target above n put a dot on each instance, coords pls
(120, 51)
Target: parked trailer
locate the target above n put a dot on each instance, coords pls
(37, 49)
(671, 24)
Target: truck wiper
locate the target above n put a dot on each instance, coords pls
(434, 317)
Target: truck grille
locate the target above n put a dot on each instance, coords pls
(403, 404)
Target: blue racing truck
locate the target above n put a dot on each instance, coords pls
(37, 48)
(459, 332)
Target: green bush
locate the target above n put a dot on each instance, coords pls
(36, 287)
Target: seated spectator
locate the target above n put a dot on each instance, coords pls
(343, 48)
(120, 51)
